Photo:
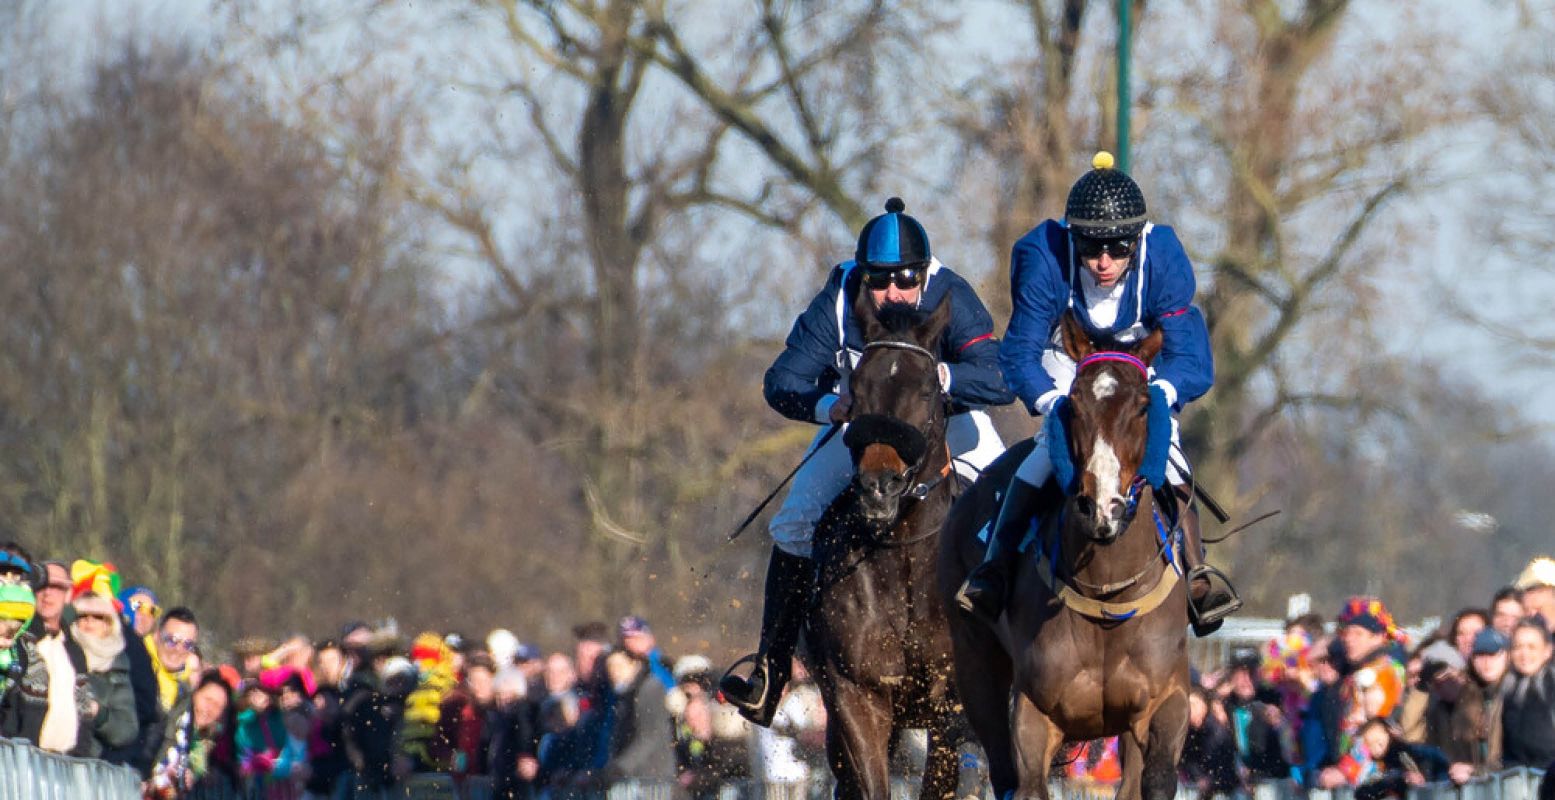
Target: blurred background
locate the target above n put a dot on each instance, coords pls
(456, 312)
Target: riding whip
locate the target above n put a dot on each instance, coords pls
(756, 512)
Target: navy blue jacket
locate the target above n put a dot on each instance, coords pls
(808, 368)
(1044, 283)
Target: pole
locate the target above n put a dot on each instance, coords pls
(1125, 35)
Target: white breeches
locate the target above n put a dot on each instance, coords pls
(974, 444)
(1038, 466)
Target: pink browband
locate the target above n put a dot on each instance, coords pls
(1110, 355)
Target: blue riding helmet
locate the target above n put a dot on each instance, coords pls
(892, 240)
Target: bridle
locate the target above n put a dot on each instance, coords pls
(918, 490)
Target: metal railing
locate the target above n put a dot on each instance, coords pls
(27, 773)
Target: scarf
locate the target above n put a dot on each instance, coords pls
(101, 651)
(167, 680)
(60, 723)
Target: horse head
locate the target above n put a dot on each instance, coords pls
(897, 418)
(1109, 403)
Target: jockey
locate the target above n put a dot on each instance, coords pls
(1122, 276)
(807, 382)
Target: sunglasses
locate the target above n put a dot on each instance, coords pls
(905, 278)
(1093, 248)
(186, 645)
(140, 604)
(103, 618)
(58, 587)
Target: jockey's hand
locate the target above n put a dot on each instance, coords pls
(1460, 773)
(842, 408)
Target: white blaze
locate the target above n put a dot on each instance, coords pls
(1105, 466)
(1104, 386)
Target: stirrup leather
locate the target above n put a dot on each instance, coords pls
(1219, 601)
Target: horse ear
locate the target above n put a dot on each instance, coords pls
(929, 331)
(864, 312)
(1149, 347)
(1077, 343)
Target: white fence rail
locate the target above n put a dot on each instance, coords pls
(27, 773)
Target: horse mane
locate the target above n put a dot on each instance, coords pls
(899, 319)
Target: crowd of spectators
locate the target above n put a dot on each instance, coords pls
(93, 669)
(1360, 706)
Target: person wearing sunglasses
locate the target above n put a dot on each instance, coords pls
(892, 264)
(176, 637)
(1121, 276)
(112, 725)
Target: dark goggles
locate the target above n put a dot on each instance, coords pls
(905, 278)
(1119, 249)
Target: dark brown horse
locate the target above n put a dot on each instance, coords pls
(878, 638)
(1093, 641)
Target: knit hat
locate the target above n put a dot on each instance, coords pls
(1489, 641)
(17, 602)
(1539, 572)
(1368, 613)
(90, 577)
(1442, 654)
(134, 609)
(95, 603)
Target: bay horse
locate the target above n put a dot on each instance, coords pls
(1093, 641)
(878, 637)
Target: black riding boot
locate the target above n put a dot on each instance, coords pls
(1211, 597)
(790, 582)
(986, 589)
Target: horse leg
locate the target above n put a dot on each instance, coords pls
(1131, 757)
(859, 761)
(1163, 748)
(984, 674)
(942, 766)
(1037, 740)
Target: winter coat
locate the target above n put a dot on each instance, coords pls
(1528, 719)
(116, 725)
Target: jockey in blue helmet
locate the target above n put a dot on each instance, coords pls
(892, 264)
(1122, 276)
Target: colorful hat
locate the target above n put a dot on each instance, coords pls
(1369, 613)
(632, 625)
(90, 577)
(136, 609)
(1287, 656)
(17, 602)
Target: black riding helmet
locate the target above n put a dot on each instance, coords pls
(1105, 203)
(892, 240)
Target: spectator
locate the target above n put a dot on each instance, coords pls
(1375, 683)
(327, 763)
(1537, 581)
(374, 715)
(1322, 719)
(515, 735)
(100, 634)
(1209, 761)
(1394, 765)
(565, 753)
(213, 755)
(1489, 667)
(140, 603)
(168, 746)
(638, 641)
(1410, 714)
(788, 747)
(466, 720)
(70, 699)
(1506, 610)
(642, 736)
(1257, 725)
(1465, 626)
(24, 680)
(177, 636)
(250, 652)
(1528, 701)
(1452, 716)
(270, 756)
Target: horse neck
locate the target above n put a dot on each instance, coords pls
(1133, 552)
